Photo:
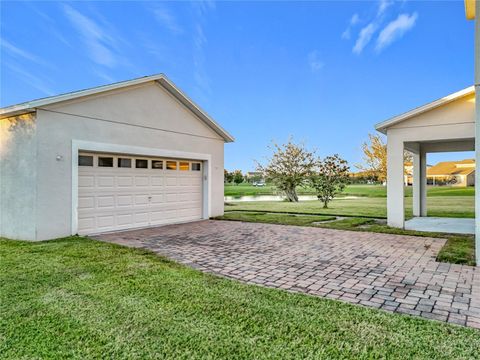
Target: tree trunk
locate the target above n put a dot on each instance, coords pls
(291, 195)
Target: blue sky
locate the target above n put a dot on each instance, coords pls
(323, 72)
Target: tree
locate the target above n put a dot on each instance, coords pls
(330, 178)
(289, 167)
(227, 176)
(375, 158)
(237, 177)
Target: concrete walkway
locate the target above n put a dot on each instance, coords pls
(390, 272)
(439, 224)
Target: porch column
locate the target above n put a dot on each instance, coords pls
(477, 131)
(420, 183)
(395, 171)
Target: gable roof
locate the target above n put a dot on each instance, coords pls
(449, 168)
(384, 125)
(161, 79)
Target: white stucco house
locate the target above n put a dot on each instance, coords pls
(132, 154)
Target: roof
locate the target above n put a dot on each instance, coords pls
(383, 126)
(450, 168)
(161, 79)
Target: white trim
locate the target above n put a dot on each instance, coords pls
(82, 145)
(382, 126)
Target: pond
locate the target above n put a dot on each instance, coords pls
(274, 198)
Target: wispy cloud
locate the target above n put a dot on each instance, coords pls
(364, 38)
(201, 8)
(353, 21)
(314, 61)
(395, 30)
(167, 20)
(383, 5)
(15, 51)
(100, 44)
(34, 81)
(392, 31)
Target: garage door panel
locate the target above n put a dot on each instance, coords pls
(141, 218)
(86, 202)
(124, 200)
(106, 202)
(106, 181)
(124, 219)
(124, 181)
(141, 181)
(157, 199)
(171, 181)
(105, 221)
(156, 181)
(86, 181)
(141, 199)
(121, 198)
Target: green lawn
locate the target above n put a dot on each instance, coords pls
(459, 249)
(447, 206)
(351, 190)
(78, 298)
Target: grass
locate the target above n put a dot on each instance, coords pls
(448, 206)
(284, 219)
(459, 249)
(79, 298)
(351, 190)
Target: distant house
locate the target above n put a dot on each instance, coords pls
(408, 176)
(456, 173)
(254, 176)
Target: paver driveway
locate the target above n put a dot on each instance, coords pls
(392, 272)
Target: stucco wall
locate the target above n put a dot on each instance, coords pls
(450, 127)
(145, 116)
(459, 111)
(18, 177)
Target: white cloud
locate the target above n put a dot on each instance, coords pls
(200, 74)
(32, 80)
(364, 37)
(353, 21)
(20, 53)
(395, 30)
(166, 19)
(98, 42)
(314, 61)
(383, 5)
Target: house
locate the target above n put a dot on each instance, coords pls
(457, 173)
(254, 176)
(132, 154)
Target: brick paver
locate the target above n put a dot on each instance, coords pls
(395, 273)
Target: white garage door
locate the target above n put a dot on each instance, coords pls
(117, 192)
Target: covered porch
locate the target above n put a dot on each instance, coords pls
(445, 125)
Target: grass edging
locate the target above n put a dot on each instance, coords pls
(306, 213)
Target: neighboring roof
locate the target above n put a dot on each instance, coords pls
(161, 79)
(383, 126)
(450, 168)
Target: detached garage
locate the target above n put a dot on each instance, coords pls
(133, 154)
